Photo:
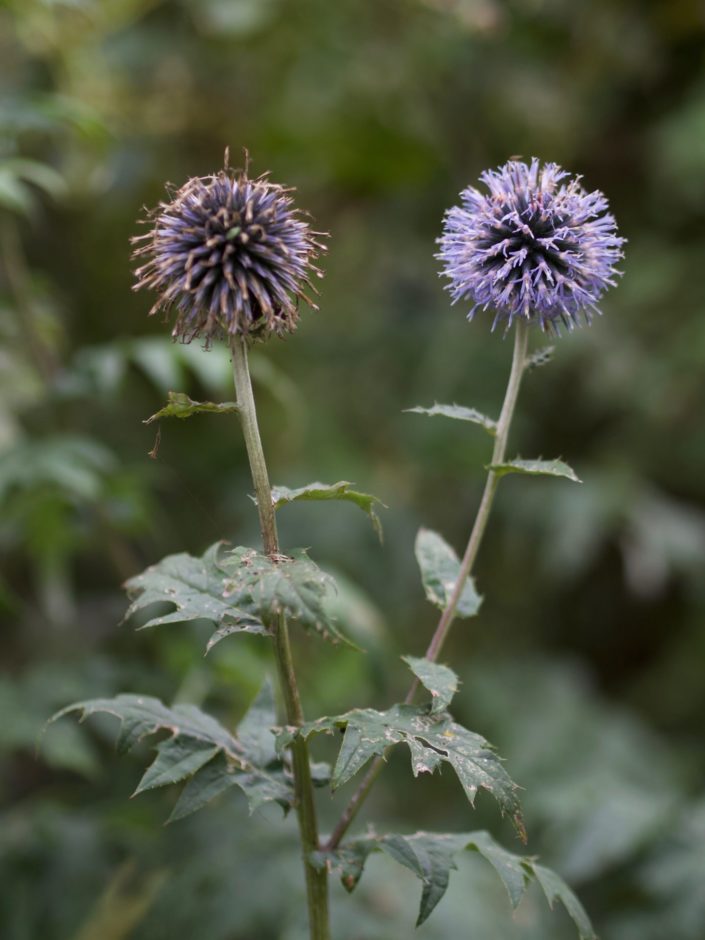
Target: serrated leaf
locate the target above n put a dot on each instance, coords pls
(179, 405)
(242, 624)
(262, 588)
(439, 680)
(142, 715)
(432, 740)
(550, 468)
(556, 889)
(431, 857)
(440, 568)
(199, 748)
(196, 588)
(541, 357)
(176, 759)
(281, 495)
(255, 730)
(459, 412)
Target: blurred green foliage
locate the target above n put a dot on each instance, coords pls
(585, 666)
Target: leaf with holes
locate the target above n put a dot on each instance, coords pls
(440, 569)
(432, 857)
(179, 405)
(196, 588)
(545, 468)
(459, 412)
(262, 588)
(432, 740)
(439, 680)
(199, 749)
(281, 495)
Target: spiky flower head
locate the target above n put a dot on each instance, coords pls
(537, 245)
(231, 255)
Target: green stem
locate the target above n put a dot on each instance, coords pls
(521, 342)
(316, 879)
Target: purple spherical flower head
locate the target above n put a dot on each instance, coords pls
(231, 255)
(536, 246)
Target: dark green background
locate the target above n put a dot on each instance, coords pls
(585, 665)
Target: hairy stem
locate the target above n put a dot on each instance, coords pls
(521, 342)
(316, 880)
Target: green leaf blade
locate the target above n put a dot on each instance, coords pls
(194, 586)
(431, 857)
(432, 739)
(263, 588)
(342, 491)
(440, 569)
(175, 761)
(437, 679)
(550, 468)
(556, 889)
(179, 405)
(200, 750)
(460, 413)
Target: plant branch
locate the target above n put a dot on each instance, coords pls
(521, 342)
(316, 880)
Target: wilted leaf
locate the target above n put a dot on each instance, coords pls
(179, 405)
(431, 857)
(459, 412)
(440, 568)
(338, 491)
(550, 468)
(439, 680)
(432, 740)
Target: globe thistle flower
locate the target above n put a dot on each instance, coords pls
(536, 246)
(231, 255)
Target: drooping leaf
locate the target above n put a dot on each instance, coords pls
(556, 889)
(199, 749)
(262, 588)
(440, 568)
(432, 857)
(179, 405)
(550, 468)
(281, 495)
(196, 588)
(439, 680)
(459, 412)
(432, 740)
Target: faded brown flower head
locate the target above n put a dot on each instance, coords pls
(231, 255)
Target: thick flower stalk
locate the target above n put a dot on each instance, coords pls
(536, 246)
(231, 255)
